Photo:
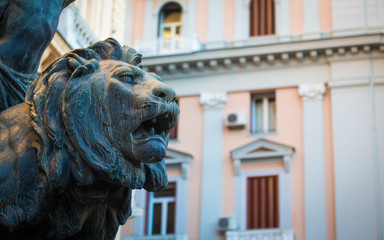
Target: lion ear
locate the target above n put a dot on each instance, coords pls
(72, 64)
(78, 66)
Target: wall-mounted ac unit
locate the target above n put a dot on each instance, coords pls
(236, 120)
(227, 224)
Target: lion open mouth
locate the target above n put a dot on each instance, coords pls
(156, 127)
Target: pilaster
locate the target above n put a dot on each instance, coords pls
(148, 20)
(128, 23)
(242, 20)
(311, 19)
(314, 161)
(283, 28)
(211, 202)
(215, 38)
(191, 18)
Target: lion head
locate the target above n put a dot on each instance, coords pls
(101, 116)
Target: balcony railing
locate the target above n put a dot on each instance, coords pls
(74, 29)
(159, 237)
(168, 46)
(264, 234)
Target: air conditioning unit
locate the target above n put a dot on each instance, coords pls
(227, 224)
(236, 120)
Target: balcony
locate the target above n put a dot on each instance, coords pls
(74, 29)
(168, 46)
(264, 234)
(159, 237)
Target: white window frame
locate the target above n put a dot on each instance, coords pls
(157, 12)
(265, 99)
(174, 159)
(152, 200)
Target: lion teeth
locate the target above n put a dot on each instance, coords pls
(162, 134)
(152, 132)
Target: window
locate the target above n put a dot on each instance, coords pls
(262, 202)
(170, 21)
(262, 17)
(170, 27)
(161, 211)
(263, 113)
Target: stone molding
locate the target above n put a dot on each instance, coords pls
(213, 100)
(277, 150)
(261, 55)
(310, 92)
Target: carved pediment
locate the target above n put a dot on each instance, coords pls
(178, 159)
(262, 150)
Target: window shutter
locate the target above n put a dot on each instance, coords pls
(262, 17)
(262, 202)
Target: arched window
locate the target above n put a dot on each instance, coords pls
(170, 22)
(262, 17)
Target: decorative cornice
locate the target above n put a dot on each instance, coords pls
(213, 100)
(257, 56)
(312, 91)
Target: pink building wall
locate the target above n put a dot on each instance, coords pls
(289, 125)
(138, 14)
(202, 19)
(325, 8)
(296, 17)
(289, 132)
(329, 167)
(229, 19)
(190, 140)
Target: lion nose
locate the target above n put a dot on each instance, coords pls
(164, 92)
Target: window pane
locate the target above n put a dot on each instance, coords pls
(259, 116)
(156, 227)
(178, 30)
(272, 114)
(171, 218)
(167, 32)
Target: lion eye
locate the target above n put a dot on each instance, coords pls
(127, 79)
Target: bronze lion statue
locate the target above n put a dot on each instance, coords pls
(93, 127)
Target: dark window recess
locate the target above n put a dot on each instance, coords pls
(262, 202)
(262, 17)
(163, 222)
(173, 133)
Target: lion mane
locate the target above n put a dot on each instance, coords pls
(70, 180)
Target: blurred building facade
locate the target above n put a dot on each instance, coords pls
(281, 130)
